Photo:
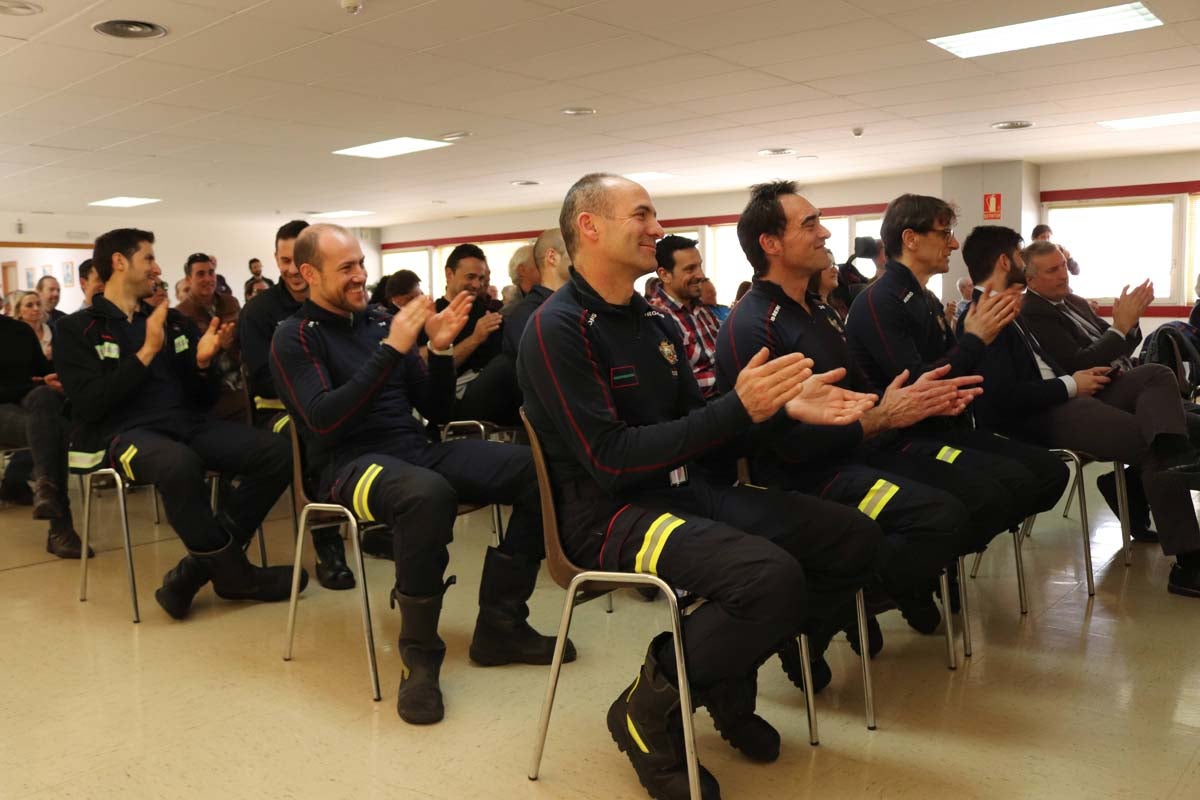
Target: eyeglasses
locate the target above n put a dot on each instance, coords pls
(946, 233)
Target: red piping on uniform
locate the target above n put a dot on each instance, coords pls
(608, 532)
(878, 327)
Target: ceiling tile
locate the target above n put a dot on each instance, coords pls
(46, 66)
(670, 70)
(560, 34)
(780, 17)
(589, 59)
(70, 108)
(442, 22)
(148, 117)
(225, 91)
(895, 78)
(832, 41)
(87, 138)
(137, 79)
(642, 16)
(178, 18)
(232, 43)
(52, 14)
(16, 131)
(327, 16)
(328, 58)
(906, 54)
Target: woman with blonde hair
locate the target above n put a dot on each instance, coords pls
(27, 307)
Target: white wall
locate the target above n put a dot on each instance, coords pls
(1121, 171)
(233, 243)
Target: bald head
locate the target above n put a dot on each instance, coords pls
(588, 194)
(331, 261)
(550, 254)
(308, 243)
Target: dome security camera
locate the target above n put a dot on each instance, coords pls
(351, 6)
(856, 132)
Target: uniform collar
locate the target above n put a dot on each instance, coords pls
(637, 304)
(103, 307)
(776, 293)
(904, 274)
(312, 311)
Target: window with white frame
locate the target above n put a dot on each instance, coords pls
(725, 263)
(418, 260)
(1118, 244)
(1193, 249)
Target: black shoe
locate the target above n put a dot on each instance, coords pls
(790, 660)
(502, 632)
(47, 500)
(66, 544)
(419, 699)
(647, 593)
(1139, 514)
(645, 723)
(732, 704)
(235, 578)
(377, 542)
(920, 612)
(332, 571)
(16, 492)
(874, 637)
(1184, 581)
(180, 585)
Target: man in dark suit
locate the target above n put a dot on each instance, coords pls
(1134, 417)
(1076, 337)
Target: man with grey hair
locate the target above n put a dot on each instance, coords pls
(523, 270)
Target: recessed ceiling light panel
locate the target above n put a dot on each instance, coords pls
(525, 183)
(1156, 121)
(19, 8)
(1052, 30)
(1012, 124)
(578, 111)
(343, 214)
(130, 29)
(454, 136)
(776, 151)
(125, 202)
(391, 147)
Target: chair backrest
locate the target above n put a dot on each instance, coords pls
(299, 495)
(560, 567)
(247, 396)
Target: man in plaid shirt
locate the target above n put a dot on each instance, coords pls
(678, 297)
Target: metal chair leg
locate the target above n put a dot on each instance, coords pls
(685, 694)
(608, 603)
(1085, 530)
(966, 611)
(301, 529)
(1123, 509)
(214, 493)
(810, 703)
(124, 510)
(87, 529)
(1074, 485)
(556, 662)
(262, 547)
(948, 619)
(154, 502)
(1017, 536)
(368, 630)
(865, 657)
(975, 564)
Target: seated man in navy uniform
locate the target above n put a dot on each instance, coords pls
(139, 380)
(897, 326)
(861, 465)
(351, 380)
(622, 423)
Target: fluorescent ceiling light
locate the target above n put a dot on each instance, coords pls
(1157, 121)
(642, 177)
(391, 147)
(344, 214)
(125, 202)
(1053, 30)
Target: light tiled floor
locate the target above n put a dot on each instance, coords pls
(1080, 698)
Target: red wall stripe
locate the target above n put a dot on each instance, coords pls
(1155, 311)
(1133, 190)
(680, 222)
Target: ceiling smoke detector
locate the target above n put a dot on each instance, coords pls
(19, 8)
(130, 29)
(776, 151)
(578, 111)
(455, 136)
(525, 183)
(1012, 125)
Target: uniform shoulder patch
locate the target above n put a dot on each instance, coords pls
(623, 377)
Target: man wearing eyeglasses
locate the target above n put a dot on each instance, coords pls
(203, 304)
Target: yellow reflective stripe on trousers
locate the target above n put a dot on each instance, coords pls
(629, 722)
(948, 454)
(126, 460)
(878, 497)
(652, 545)
(281, 423)
(77, 459)
(362, 490)
(268, 403)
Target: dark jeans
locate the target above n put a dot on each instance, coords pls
(175, 457)
(38, 423)
(417, 496)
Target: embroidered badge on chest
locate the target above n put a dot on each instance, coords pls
(622, 377)
(667, 348)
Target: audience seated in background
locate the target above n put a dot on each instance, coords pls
(203, 304)
(181, 290)
(621, 420)
(523, 270)
(708, 297)
(256, 277)
(1042, 233)
(352, 381)
(650, 287)
(486, 386)
(139, 380)
(1135, 416)
(31, 415)
(509, 296)
(402, 287)
(681, 275)
(50, 292)
(89, 281)
(554, 270)
(743, 287)
(27, 307)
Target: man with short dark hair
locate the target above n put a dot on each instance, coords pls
(403, 286)
(681, 272)
(256, 325)
(896, 325)
(49, 290)
(139, 380)
(89, 281)
(622, 424)
(486, 387)
(1042, 233)
(352, 380)
(1133, 416)
(204, 304)
(256, 276)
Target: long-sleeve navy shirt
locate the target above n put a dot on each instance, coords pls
(352, 393)
(260, 317)
(21, 360)
(895, 325)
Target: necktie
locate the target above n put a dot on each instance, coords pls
(1085, 325)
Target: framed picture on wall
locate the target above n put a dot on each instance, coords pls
(30, 279)
(68, 274)
(47, 270)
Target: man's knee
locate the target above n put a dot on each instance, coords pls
(425, 493)
(44, 400)
(181, 470)
(770, 584)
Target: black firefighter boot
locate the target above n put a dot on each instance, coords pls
(235, 578)
(180, 585)
(332, 571)
(731, 704)
(502, 634)
(645, 723)
(422, 651)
